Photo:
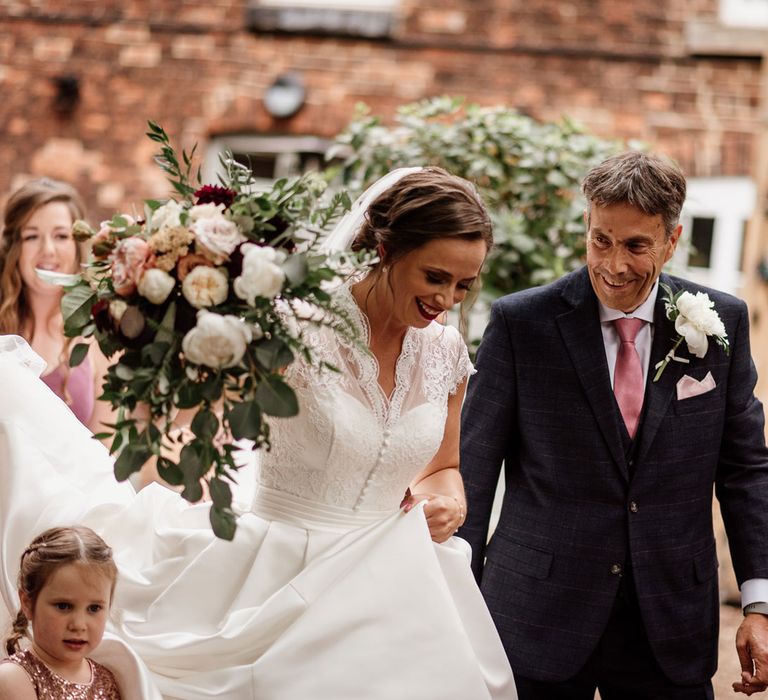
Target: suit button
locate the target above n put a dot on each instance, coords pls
(633, 507)
(615, 569)
(631, 463)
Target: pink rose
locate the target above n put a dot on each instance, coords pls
(128, 261)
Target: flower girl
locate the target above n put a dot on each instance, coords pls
(66, 581)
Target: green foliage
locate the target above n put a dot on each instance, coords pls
(528, 173)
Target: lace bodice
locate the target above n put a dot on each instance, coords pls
(350, 446)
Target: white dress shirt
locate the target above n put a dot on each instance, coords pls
(755, 590)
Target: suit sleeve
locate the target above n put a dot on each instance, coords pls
(488, 422)
(742, 478)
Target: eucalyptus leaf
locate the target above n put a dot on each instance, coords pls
(276, 398)
(191, 464)
(156, 351)
(131, 459)
(205, 424)
(221, 493)
(212, 387)
(245, 420)
(169, 472)
(273, 353)
(78, 354)
(189, 395)
(76, 307)
(165, 333)
(193, 491)
(223, 522)
(117, 441)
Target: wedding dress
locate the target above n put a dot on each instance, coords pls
(327, 592)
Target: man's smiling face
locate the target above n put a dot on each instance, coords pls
(626, 250)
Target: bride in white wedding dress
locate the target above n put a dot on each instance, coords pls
(332, 589)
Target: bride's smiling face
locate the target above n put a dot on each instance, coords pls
(431, 279)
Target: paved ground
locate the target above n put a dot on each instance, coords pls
(728, 670)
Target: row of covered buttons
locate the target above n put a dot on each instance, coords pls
(382, 449)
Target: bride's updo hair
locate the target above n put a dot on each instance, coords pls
(427, 205)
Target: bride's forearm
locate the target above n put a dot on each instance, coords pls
(445, 482)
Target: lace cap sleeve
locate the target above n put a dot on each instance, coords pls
(462, 365)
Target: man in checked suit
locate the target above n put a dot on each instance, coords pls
(602, 570)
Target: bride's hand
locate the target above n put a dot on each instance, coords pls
(445, 514)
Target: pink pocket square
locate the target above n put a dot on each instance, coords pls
(689, 387)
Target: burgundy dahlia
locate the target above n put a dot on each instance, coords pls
(213, 194)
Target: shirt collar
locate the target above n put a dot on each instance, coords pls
(643, 312)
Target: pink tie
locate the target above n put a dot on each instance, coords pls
(628, 385)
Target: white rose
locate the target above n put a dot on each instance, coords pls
(216, 237)
(262, 275)
(167, 216)
(205, 286)
(697, 319)
(216, 340)
(695, 338)
(155, 285)
(206, 211)
(700, 310)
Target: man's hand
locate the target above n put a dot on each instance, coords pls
(752, 647)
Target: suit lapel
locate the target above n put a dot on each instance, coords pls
(658, 394)
(582, 335)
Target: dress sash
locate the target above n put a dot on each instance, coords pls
(283, 507)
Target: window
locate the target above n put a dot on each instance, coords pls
(702, 230)
(368, 18)
(269, 157)
(710, 249)
(744, 13)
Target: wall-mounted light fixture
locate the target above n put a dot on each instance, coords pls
(67, 94)
(285, 96)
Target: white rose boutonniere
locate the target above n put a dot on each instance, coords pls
(695, 321)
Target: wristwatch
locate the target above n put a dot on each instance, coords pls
(756, 608)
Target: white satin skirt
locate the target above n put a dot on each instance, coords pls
(307, 602)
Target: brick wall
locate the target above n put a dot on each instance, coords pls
(621, 69)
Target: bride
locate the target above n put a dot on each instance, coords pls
(335, 587)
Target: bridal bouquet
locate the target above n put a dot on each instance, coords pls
(202, 302)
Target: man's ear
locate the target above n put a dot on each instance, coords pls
(672, 240)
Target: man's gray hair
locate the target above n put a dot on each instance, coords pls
(652, 184)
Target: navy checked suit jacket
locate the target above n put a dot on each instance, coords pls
(580, 508)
